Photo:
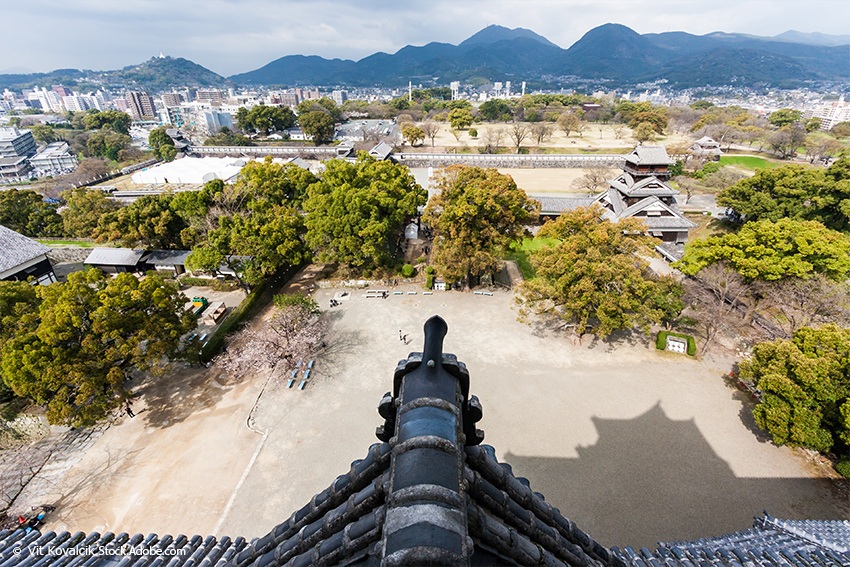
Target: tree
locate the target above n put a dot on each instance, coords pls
(541, 132)
(430, 129)
(83, 209)
(713, 299)
(74, 352)
(656, 117)
(264, 119)
(460, 118)
(107, 143)
(324, 104)
(784, 117)
(805, 388)
(319, 126)
(226, 137)
(644, 132)
(495, 110)
(568, 122)
(786, 140)
(115, 120)
(518, 132)
(841, 130)
(768, 250)
(492, 140)
(356, 211)
(26, 212)
(413, 134)
(159, 140)
(795, 192)
(148, 222)
(594, 277)
(792, 303)
(294, 332)
(477, 214)
(43, 133)
(593, 179)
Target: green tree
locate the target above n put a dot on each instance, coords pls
(413, 134)
(841, 130)
(226, 137)
(318, 125)
(784, 117)
(655, 117)
(596, 278)
(83, 209)
(805, 386)
(796, 192)
(496, 110)
(476, 216)
(264, 119)
(114, 119)
(460, 118)
(324, 104)
(43, 133)
(644, 132)
(767, 250)
(26, 212)
(162, 144)
(74, 352)
(568, 122)
(356, 211)
(148, 222)
(107, 143)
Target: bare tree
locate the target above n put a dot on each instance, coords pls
(518, 132)
(568, 122)
(294, 332)
(713, 298)
(792, 303)
(492, 140)
(593, 179)
(619, 131)
(541, 132)
(431, 130)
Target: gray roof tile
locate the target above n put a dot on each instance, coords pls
(15, 249)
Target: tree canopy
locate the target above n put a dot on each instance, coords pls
(318, 125)
(264, 119)
(162, 144)
(460, 118)
(26, 212)
(148, 221)
(767, 250)
(75, 342)
(83, 209)
(805, 386)
(477, 214)
(356, 211)
(594, 276)
(794, 191)
(113, 119)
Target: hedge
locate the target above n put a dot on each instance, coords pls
(661, 341)
(843, 468)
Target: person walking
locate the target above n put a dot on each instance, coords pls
(128, 408)
(400, 335)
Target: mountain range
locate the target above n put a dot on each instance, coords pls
(612, 54)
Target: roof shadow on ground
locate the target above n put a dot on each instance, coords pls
(651, 479)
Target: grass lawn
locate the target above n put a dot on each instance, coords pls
(63, 243)
(748, 162)
(520, 254)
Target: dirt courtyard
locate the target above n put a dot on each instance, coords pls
(635, 446)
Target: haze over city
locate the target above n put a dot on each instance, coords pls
(229, 36)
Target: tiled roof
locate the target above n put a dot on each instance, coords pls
(551, 205)
(114, 257)
(381, 151)
(649, 155)
(166, 257)
(431, 494)
(650, 186)
(15, 249)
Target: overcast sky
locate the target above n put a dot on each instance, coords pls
(234, 36)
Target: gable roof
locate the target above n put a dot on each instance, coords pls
(649, 155)
(558, 205)
(166, 257)
(114, 257)
(381, 151)
(16, 249)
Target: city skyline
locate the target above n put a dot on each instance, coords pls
(230, 37)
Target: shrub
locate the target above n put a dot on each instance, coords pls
(429, 270)
(661, 341)
(429, 281)
(843, 468)
(473, 133)
(407, 271)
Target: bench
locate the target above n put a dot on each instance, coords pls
(307, 374)
(302, 384)
(290, 383)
